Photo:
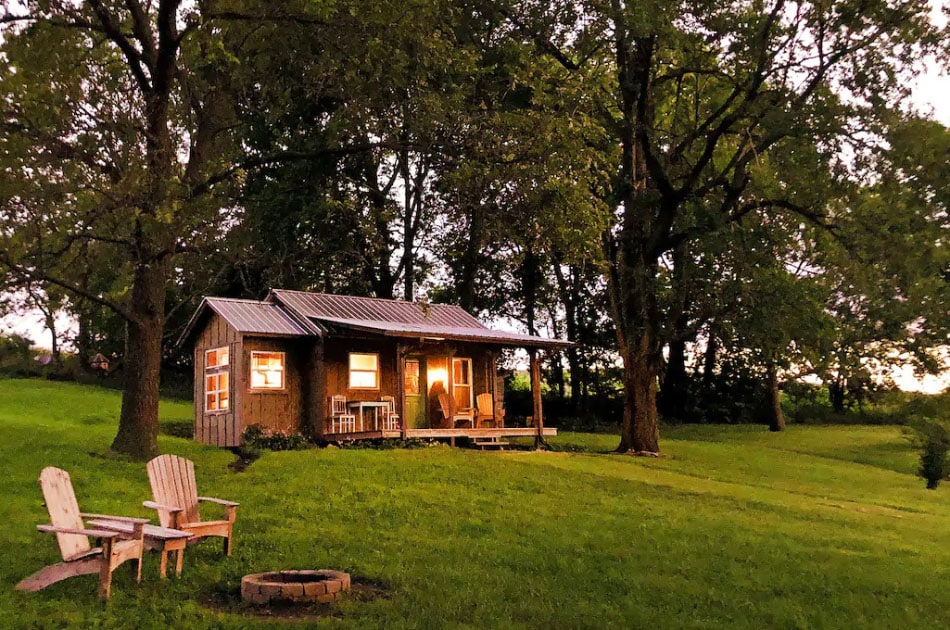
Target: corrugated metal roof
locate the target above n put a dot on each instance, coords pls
(251, 316)
(348, 307)
(415, 331)
(401, 319)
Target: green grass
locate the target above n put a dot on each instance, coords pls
(818, 527)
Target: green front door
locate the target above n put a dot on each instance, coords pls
(413, 387)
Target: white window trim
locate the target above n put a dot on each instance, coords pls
(471, 380)
(216, 370)
(378, 372)
(283, 372)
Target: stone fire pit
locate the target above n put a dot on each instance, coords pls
(323, 585)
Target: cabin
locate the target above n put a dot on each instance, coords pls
(348, 368)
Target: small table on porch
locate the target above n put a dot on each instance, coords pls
(375, 405)
(162, 539)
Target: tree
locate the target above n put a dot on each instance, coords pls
(113, 128)
(695, 95)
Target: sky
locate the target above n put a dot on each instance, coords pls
(931, 95)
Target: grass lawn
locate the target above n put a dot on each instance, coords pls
(818, 527)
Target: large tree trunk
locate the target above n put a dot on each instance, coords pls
(640, 432)
(634, 254)
(138, 420)
(776, 417)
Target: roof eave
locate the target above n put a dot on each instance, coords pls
(192, 322)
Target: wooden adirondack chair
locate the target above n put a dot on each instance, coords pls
(455, 417)
(176, 499)
(486, 410)
(79, 557)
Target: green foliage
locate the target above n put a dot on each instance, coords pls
(16, 355)
(736, 527)
(934, 465)
(260, 437)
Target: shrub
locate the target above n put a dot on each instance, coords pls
(259, 437)
(934, 466)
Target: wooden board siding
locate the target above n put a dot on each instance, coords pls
(275, 409)
(337, 367)
(222, 428)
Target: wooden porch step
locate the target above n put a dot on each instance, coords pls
(488, 442)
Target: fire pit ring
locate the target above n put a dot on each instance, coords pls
(323, 585)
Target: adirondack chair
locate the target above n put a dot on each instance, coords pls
(79, 557)
(486, 410)
(176, 500)
(453, 416)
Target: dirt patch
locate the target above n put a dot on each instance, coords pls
(245, 457)
(362, 589)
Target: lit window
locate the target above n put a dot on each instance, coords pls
(462, 382)
(364, 371)
(267, 370)
(217, 397)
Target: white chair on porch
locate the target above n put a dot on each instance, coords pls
(390, 417)
(340, 418)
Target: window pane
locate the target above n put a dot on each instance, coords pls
(222, 356)
(223, 381)
(360, 379)
(257, 379)
(209, 384)
(460, 371)
(412, 378)
(369, 362)
(267, 379)
(267, 370)
(211, 402)
(212, 358)
(223, 400)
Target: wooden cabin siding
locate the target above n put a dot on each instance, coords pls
(337, 361)
(279, 408)
(219, 428)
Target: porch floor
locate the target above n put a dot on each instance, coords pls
(460, 432)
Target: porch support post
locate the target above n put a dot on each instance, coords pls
(539, 441)
(492, 376)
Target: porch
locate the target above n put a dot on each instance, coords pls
(448, 434)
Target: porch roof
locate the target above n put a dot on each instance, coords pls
(397, 318)
(458, 333)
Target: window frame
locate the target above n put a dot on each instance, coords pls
(471, 380)
(283, 372)
(378, 372)
(216, 371)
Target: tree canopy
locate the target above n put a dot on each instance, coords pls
(640, 177)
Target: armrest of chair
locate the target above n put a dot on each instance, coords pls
(160, 506)
(219, 501)
(122, 519)
(96, 533)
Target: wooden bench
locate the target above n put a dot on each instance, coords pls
(161, 539)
